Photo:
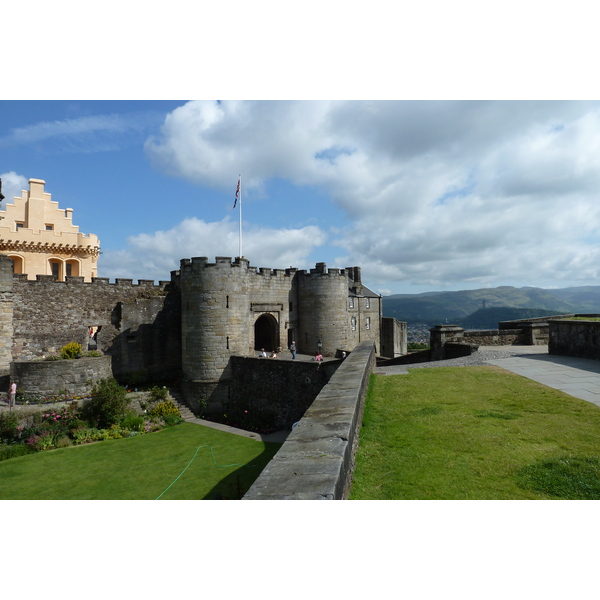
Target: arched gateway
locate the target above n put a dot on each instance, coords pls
(266, 334)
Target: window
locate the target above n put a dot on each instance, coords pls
(351, 302)
(72, 268)
(368, 303)
(49, 227)
(368, 323)
(353, 322)
(20, 225)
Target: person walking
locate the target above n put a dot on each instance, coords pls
(293, 349)
(12, 394)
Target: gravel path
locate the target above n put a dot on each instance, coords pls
(479, 357)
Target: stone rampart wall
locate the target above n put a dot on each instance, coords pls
(48, 314)
(393, 337)
(493, 337)
(48, 378)
(274, 393)
(317, 460)
(575, 338)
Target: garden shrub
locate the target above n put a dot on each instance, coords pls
(158, 394)
(86, 436)
(41, 441)
(162, 409)
(9, 422)
(171, 420)
(133, 423)
(14, 450)
(153, 425)
(114, 432)
(107, 405)
(64, 442)
(71, 350)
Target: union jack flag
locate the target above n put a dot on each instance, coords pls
(237, 192)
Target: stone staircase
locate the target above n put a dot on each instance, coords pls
(176, 397)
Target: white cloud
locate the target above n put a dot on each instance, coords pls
(92, 133)
(154, 256)
(12, 185)
(437, 193)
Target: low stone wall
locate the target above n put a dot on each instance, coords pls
(575, 338)
(274, 393)
(49, 378)
(317, 460)
(493, 337)
(526, 334)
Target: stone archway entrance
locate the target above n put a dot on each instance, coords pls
(266, 333)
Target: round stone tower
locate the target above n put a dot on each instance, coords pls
(214, 308)
(323, 315)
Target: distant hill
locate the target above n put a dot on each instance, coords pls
(488, 318)
(453, 307)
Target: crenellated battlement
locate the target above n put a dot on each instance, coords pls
(198, 264)
(96, 281)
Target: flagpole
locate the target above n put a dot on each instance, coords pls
(241, 255)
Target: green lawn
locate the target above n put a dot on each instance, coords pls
(475, 433)
(141, 468)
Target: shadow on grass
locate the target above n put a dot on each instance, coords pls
(236, 484)
(566, 477)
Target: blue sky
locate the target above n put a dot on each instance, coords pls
(423, 195)
(433, 186)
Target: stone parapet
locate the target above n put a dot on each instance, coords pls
(317, 460)
(578, 338)
(50, 378)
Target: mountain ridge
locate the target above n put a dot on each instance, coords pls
(439, 307)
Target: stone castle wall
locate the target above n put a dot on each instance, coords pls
(139, 324)
(578, 338)
(190, 326)
(317, 460)
(47, 378)
(274, 393)
(393, 338)
(6, 318)
(230, 308)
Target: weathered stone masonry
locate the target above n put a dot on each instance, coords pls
(139, 324)
(193, 325)
(230, 308)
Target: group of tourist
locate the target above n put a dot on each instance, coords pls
(263, 354)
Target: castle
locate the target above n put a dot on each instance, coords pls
(192, 325)
(39, 237)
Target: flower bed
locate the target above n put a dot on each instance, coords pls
(75, 422)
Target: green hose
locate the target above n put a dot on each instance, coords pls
(191, 461)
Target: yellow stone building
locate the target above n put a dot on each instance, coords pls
(41, 239)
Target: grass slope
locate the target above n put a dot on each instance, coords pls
(475, 433)
(141, 468)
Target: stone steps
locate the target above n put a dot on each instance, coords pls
(176, 397)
